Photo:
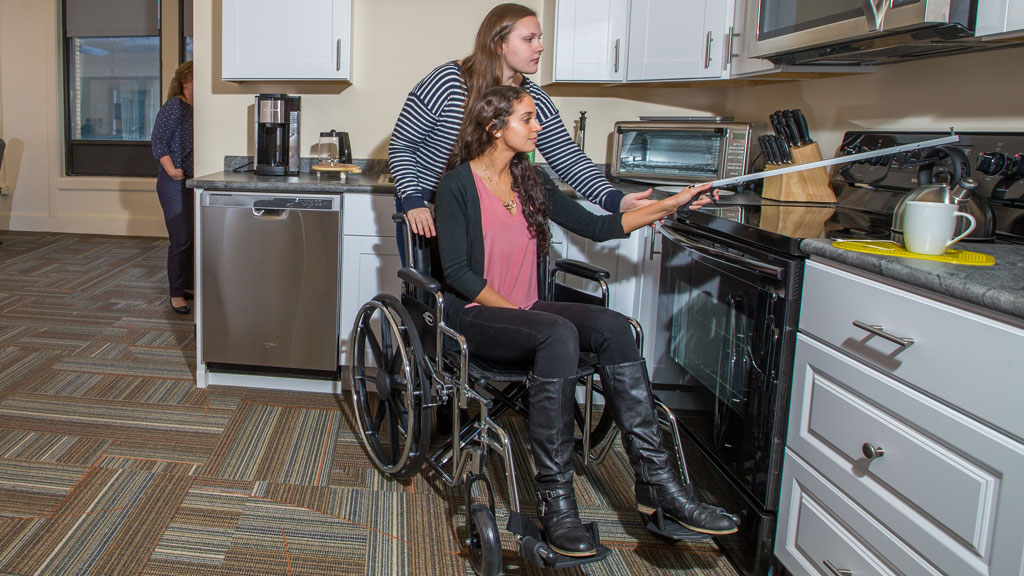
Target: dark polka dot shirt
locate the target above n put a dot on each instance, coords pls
(172, 135)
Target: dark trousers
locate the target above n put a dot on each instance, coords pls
(179, 215)
(548, 336)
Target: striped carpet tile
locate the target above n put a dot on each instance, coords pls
(90, 411)
(14, 536)
(68, 384)
(75, 536)
(53, 448)
(253, 441)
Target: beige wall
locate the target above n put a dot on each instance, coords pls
(396, 42)
(970, 92)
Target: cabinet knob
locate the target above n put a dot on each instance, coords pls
(871, 451)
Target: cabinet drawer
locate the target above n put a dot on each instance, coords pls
(944, 482)
(820, 527)
(368, 215)
(966, 360)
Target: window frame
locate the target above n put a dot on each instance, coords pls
(112, 158)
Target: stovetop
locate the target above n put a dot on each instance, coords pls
(867, 193)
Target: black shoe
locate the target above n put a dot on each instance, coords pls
(563, 529)
(181, 309)
(679, 502)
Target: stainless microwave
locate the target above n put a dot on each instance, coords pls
(684, 151)
(857, 32)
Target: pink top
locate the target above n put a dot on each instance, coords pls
(510, 253)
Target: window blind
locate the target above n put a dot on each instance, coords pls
(87, 18)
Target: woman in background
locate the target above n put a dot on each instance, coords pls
(492, 222)
(172, 148)
(507, 48)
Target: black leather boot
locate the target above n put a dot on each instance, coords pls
(628, 392)
(552, 402)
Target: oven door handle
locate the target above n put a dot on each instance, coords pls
(741, 261)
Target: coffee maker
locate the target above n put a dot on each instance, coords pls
(277, 135)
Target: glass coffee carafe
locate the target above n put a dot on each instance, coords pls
(328, 148)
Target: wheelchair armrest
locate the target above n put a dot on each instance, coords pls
(581, 269)
(398, 217)
(414, 277)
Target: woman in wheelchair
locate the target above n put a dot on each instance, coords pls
(492, 216)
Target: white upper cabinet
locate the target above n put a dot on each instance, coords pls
(999, 17)
(300, 40)
(590, 40)
(676, 39)
(637, 40)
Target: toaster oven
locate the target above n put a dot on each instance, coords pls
(684, 151)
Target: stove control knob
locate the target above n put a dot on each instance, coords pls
(991, 163)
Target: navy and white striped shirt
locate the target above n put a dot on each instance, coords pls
(429, 123)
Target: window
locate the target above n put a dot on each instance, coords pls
(113, 89)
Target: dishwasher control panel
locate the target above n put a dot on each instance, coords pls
(295, 203)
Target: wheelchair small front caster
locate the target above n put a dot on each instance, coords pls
(483, 540)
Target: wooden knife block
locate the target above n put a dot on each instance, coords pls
(805, 186)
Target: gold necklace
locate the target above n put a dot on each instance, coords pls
(510, 205)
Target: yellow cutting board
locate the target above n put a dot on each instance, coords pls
(884, 248)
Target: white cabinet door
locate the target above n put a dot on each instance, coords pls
(715, 39)
(645, 307)
(300, 40)
(590, 40)
(998, 17)
(673, 40)
(1015, 16)
(369, 266)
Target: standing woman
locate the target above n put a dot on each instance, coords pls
(507, 48)
(172, 148)
(492, 222)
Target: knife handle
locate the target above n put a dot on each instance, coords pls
(787, 156)
(794, 130)
(776, 123)
(801, 124)
(783, 129)
(776, 152)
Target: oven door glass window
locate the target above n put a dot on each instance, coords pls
(717, 369)
(781, 17)
(683, 154)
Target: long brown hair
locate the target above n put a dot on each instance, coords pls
(482, 69)
(485, 116)
(182, 75)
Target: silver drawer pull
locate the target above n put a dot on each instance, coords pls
(881, 333)
(871, 451)
(837, 571)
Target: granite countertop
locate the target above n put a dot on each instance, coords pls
(373, 180)
(303, 183)
(999, 287)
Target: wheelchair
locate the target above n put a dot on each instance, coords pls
(408, 364)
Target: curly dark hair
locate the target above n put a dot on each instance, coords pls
(485, 116)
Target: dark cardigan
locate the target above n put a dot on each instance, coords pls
(461, 237)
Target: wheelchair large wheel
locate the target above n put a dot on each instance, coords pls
(483, 540)
(390, 388)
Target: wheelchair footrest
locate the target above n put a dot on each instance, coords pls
(533, 546)
(668, 528)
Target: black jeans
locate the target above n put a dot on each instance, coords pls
(179, 215)
(549, 336)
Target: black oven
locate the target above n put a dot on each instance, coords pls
(725, 335)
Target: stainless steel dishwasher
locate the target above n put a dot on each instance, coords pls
(270, 273)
